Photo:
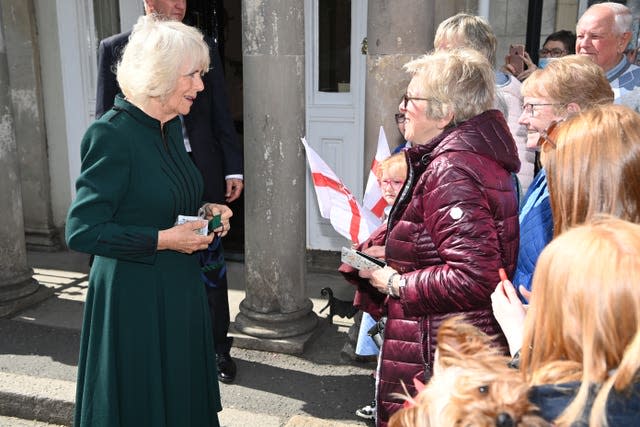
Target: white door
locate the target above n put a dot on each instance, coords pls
(335, 82)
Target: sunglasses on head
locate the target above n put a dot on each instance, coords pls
(546, 141)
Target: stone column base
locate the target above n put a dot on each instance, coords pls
(278, 332)
(46, 240)
(18, 296)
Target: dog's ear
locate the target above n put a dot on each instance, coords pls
(458, 339)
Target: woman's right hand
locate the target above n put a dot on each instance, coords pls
(184, 237)
(375, 251)
(510, 314)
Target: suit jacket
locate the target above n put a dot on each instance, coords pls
(214, 143)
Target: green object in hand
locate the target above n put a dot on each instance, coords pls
(215, 222)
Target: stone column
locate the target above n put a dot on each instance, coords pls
(17, 287)
(275, 311)
(21, 43)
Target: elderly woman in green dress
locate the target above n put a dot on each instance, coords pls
(146, 356)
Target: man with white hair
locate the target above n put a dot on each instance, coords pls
(603, 33)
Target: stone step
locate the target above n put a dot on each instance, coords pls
(43, 399)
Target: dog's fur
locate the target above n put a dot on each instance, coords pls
(337, 307)
(472, 386)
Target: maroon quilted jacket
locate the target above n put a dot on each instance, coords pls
(454, 224)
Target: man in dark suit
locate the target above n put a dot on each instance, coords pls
(212, 142)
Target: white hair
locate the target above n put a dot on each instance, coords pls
(156, 51)
(622, 15)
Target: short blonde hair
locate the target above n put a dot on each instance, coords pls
(572, 78)
(470, 31)
(152, 59)
(396, 162)
(459, 81)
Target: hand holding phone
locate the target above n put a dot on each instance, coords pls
(516, 53)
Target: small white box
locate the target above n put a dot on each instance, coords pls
(186, 218)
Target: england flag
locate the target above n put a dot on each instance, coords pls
(337, 203)
(373, 199)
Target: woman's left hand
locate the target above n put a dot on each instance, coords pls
(510, 314)
(380, 277)
(211, 209)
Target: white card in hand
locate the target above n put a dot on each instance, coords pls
(359, 260)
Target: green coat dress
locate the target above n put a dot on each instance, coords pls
(147, 356)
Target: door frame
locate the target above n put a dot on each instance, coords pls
(337, 109)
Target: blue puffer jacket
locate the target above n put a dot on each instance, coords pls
(536, 229)
(623, 409)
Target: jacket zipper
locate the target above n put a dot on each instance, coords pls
(404, 192)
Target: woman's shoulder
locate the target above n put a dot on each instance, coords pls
(623, 408)
(110, 132)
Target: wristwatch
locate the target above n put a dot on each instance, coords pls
(390, 284)
(401, 284)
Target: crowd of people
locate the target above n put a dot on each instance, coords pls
(546, 276)
(536, 262)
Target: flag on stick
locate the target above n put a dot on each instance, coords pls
(373, 199)
(337, 203)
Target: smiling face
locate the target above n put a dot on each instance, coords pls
(180, 99)
(418, 128)
(596, 37)
(537, 117)
(189, 83)
(171, 9)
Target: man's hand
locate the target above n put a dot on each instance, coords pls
(234, 188)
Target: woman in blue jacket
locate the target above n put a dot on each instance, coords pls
(566, 86)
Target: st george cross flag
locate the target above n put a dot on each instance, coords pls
(373, 199)
(336, 202)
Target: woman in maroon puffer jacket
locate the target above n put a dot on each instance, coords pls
(455, 222)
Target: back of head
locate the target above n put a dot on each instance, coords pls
(465, 30)
(585, 308)
(460, 81)
(570, 79)
(152, 59)
(595, 167)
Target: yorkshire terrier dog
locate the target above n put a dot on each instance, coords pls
(472, 386)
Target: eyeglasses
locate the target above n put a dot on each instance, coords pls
(556, 52)
(406, 98)
(530, 108)
(546, 142)
(393, 183)
(400, 118)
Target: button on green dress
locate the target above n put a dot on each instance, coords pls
(147, 354)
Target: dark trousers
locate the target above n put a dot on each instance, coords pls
(219, 309)
(214, 275)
